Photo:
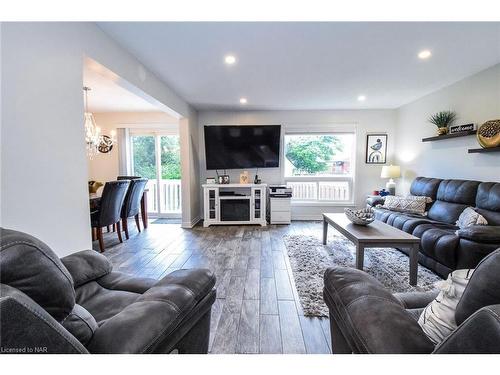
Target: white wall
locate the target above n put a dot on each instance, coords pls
(190, 162)
(44, 167)
(367, 121)
(476, 99)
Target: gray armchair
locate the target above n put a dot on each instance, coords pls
(367, 318)
(78, 304)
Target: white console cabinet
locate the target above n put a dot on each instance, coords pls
(234, 204)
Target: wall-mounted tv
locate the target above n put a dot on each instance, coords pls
(240, 147)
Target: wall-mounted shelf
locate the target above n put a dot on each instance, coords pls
(447, 136)
(481, 150)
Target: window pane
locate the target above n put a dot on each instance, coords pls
(318, 155)
(144, 156)
(170, 189)
(144, 165)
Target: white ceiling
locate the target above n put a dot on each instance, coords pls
(107, 95)
(308, 65)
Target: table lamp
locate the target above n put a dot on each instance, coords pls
(390, 172)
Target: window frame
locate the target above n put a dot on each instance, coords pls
(322, 129)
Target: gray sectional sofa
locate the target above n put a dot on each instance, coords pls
(444, 247)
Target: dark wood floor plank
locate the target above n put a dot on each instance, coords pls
(234, 294)
(314, 337)
(270, 335)
(268, 298)
(291, 331)
(217, 308)
(226, 334)
(248, 331)
(257, 307)
(283, 286)
(252, 284)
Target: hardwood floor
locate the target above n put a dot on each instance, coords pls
(257, 308)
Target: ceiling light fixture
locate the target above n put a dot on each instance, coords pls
(243, 101)
(92, 131)
(95, 141)
(425, 54)
(361, 98)
(230, 59)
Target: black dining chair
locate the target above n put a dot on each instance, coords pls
(109, 211)
(119, 178)
(132, 203)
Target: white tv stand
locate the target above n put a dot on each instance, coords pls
(223, 209)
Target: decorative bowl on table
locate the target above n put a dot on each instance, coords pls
(364, 216)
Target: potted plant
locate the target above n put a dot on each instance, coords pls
(442, 120)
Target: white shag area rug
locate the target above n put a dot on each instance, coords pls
(309, 259)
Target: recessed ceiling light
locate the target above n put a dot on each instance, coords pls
(243, 100)
(229, 59)
(425, 54)
(361, 98)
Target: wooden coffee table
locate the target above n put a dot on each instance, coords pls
(376, 234)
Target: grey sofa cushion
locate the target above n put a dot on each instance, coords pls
(32, 267)
(452, 198)
(481, 233)
(86, 265)
(371, 319)
(488, 201)
(166, 305)
(425, 186)
(483, 288)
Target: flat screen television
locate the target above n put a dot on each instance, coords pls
(240, 147)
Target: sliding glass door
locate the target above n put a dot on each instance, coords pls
(156, 156)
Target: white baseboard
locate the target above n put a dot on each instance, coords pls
(310, 217)
(191, 224)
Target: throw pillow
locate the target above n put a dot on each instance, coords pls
(470, 217)
(438, 318)
(420, 197)
(404, 204)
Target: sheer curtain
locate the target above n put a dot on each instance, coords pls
(124, 162)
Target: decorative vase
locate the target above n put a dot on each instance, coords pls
(443, 130)
(94, 186)
(488, 134)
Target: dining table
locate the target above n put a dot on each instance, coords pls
(94, 199)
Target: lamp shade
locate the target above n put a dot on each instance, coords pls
(390, 171)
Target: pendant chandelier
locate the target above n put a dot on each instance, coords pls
(92, 131)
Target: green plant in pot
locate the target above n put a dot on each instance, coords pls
(442, 120)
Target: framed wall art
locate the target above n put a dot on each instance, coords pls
(376, 148)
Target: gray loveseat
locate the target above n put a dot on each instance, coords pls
(78, 304)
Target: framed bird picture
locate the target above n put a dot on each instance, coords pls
(376, 148)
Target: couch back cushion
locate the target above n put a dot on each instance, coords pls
(453, 196)
(488, 201)
(482, 289)
(30, 266)
(425, 186)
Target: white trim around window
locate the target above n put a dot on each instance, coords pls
(322, 190)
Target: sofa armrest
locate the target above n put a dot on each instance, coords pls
(86, 265)
(479, 334)
(416, 300)
(146, 324)
(122, 281)
(481, 233)
(27, 328)
(370, 318)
